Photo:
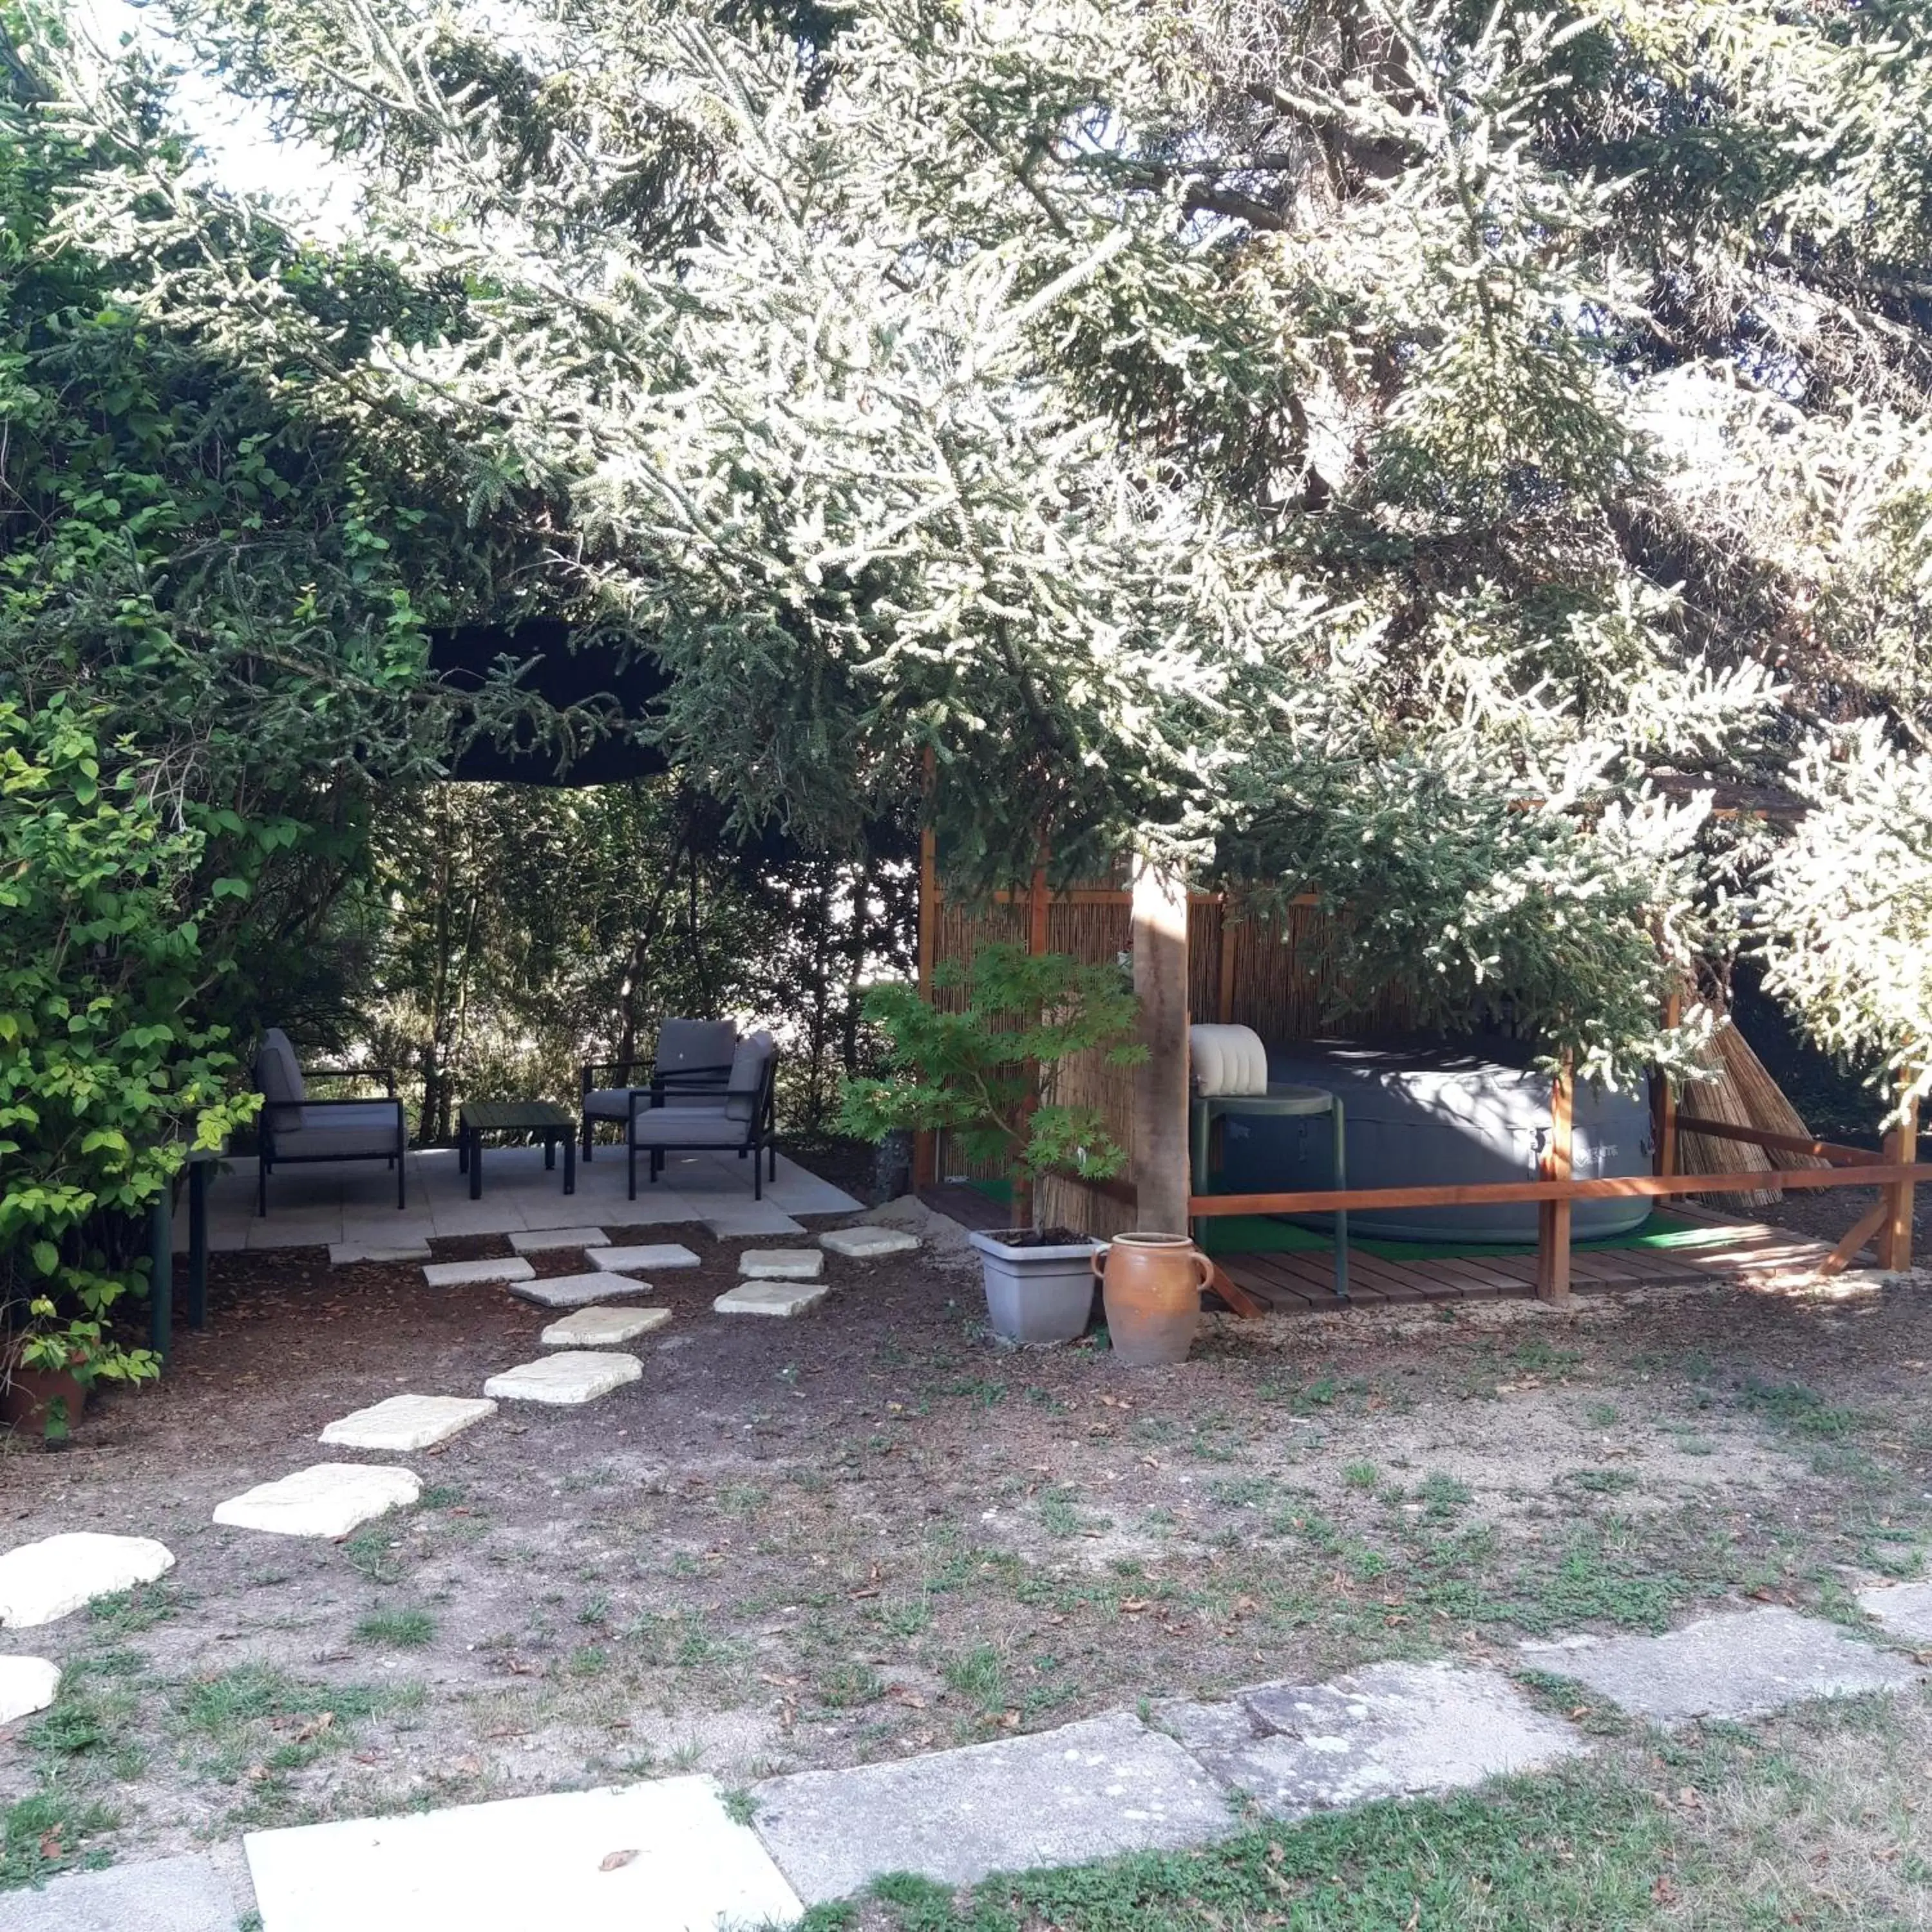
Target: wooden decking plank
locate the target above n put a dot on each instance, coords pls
(1253, 1273)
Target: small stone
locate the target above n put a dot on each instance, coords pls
(327, 1499)
(649, 1257)
(869, 1244)
(536, 1241)
(770, 1297)
(603, 1327)
(577, 1291)
(575, 1376)
(464, 1274)
(782, 1263)
(56, 1576)
(26, 1684)
(406, 1422)
(346, 1254)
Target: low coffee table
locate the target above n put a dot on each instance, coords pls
(541, 1118)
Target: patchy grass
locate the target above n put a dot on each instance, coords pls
(399, 1630)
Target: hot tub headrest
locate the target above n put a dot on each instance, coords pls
(1228, 1060)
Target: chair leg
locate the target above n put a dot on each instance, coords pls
(772, 1152)
(757, 1173)
(262, 1185)
(587, 1137)
(402, 1181)
(632, 1152)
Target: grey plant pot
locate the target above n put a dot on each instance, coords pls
(1037, 1294)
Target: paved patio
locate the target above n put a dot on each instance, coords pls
(354, 1202)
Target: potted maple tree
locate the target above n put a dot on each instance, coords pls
(987, 1071)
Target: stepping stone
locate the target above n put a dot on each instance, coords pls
(650, 1257)
(751, 1217)
(558, 1860)
(575, 1376)
(1905, 1609)
(1391, 1730)
(602, 1327)
(577, 1291)
(770, 1297)
(344, 1254)
(1086, 1791)
(56, 1576)
(26, 1684)
(183, 1895)
(1744, 1664)
(782, 1263)
(534, 1241)
(462, 1274)
(406, 1422)
(327, 1499)
(868, 1244)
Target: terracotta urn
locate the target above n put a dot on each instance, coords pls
(1151, 1284)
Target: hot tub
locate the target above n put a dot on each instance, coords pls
(1425, 1113)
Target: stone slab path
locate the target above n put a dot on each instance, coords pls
(660, 1857)
(1086, 1791)
(781, 1298)
(539, 1240)
(1905, 1609)
(648, 1258)
(327, 1499)
(567, 1379)
(404, 1422)
(603, 1327)
(867, 1244)
(344, 1254)
(782, 1263)
(40, 1581)
(1744, 1664)
(577, 1291)
(751, 1217)
(183, 1895)
(27, 1683)
(465, 1274)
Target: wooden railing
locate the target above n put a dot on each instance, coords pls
(1891, 1220)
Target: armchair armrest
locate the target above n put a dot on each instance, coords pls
(588, 1070)
(387, 1075)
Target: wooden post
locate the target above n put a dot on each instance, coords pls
(1159, 920)
(926, 1143)
(1552, 1218)
(1901, 1147)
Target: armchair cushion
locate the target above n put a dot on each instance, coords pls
(278, 1074)
(688, 1127)
(749, 1065)
(692, 1047)
(356, 1130)
(607, 1103)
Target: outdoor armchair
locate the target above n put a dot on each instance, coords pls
(687, 1114)
(691, 1055)
(293, 1128)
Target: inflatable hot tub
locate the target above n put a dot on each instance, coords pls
(1422, 1113)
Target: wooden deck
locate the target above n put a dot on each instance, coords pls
(1304, 1283)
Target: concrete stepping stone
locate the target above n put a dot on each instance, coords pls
(1905, 1609)
(1086, 1791)
(661, 1856)
(27, 1683)
(782, 1263)
(751, 1217)
(463, 1274)
(189, 1894)
(57, 1576)
(345, 1254)
(868, 1244)
(1742, 1663)
(575, 1376)
(647, 1258)
(405, 1422)
(577, 1291)
(602, 1327)
(536, 1241)
(781, 1298)
(1387, 1731)
(326, 1499)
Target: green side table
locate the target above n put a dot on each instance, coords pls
(1281, 1101)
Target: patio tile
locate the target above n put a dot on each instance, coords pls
(654, 1207)
(406, 1422)
(557, 1860)
(648, 1257)
(1086, 1791)
(326, 1499)
(536, 1241)
(578, 1290)
(57, 1575)
(868, 1244)
(462, 1274)
(781, 1298)
(187, 1893)
(751, 1217)
(1743, 1664)
(782, 1263)
(575, 1376)
(27, 1683)
(602, 1327)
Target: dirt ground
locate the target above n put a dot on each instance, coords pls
(874, 1530)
